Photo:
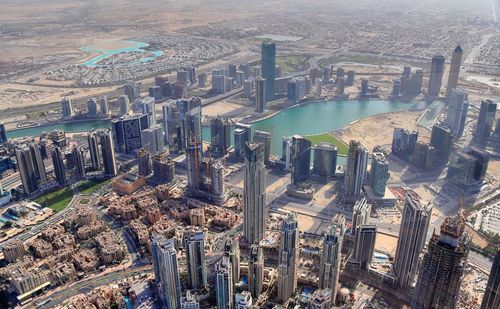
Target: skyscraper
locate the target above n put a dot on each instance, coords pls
(264, 138)
(440, 274)
(194, 244)
(260, 95)
(220, 134)
(78, 153)
(325, 159)
(456, 62)
(242, 135)
(224, 284)
(103, 106)
(152, 139)
(59, 168)
(26, 170)
(148, 108)
(144, 162)
(132, 90)
(38, 163)
(355, 173)
(3, 134)
(67, 108)
(360, 214)
(163, 168)
(92, 107)
(94, 150)
(232, 250)
(379, 173)
(108, 152)
(288, 256)
(166, 270)
(329, 268)
(124, 103)
(485, 122)
(491, 298)
(254, 194)
(255, 270)
(436, 77)
(127, 132)
(411, 241)
(442, 140)
(364, 245)
(301, 160)
(457, 111)
(268, 68)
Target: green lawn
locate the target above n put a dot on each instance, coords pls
(90, 186)
(56, 200)
(343, 149)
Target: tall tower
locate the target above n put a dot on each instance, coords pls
(108, 152)
(438, 282)
(194, 243)
(255, 270)
(364, 245)
(152, 139)
(254, 194)
(124, 104)
(79, 158)
(360, 214)
(59, 168)
(94, 150)
(224, 284)
(166, 270)
(92, 107)
(491, 298)
(232, 250)
(379, 173)
(67, 108)
(38, 163)
(411, 241)
(3, 134)
(26, 170)
(301, 159)
(220, 134)
(269, 68)
(435, 80)
(329, 268)
(485, 122)
(288, 256)
(457, 111)
(355, 174)
(103, 106)
(456, 62)
(260, 94)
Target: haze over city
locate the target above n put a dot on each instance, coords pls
(237, 154)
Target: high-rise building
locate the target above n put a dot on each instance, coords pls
(194, 244)
(254, 194)
(3, 134)
(329, 268)
(379, 173)
(243, 300)
(144, 162)
(242, 135)
(491, 298)
(155, 92)
(436, 77)
(26, 170)
(59, 168)
(440, 275)
(94, 150)
(124, 104)
(288, 258)
(132, 91)
(192, 122)
(412, 235)
(301, 160)
(148, 108)
(457, 111)
(485, 122)
(166, 270)
(92, 107)
(108, 152)
(190, 301)
(260, 95)
(456, 62)
(67, 108)
(355, 173)
(194, 157)
(127, 132)
(403, 142)
(396, 88)
(351, 75)
(360, 214)
(103, 106)
(224, 284)
(163, 168)
(467, 168)
(364, 245)
(268, 68)
(442, 140)
(79, 158)
(264, 138)
(38, 163)
(325, 159)
(232, 250)
(255, 270)
(340, 89)
(152, 139)
(220, 133)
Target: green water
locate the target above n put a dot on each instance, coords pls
(308, 119)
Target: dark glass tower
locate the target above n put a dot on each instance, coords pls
(269, 68)
(435, 80)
